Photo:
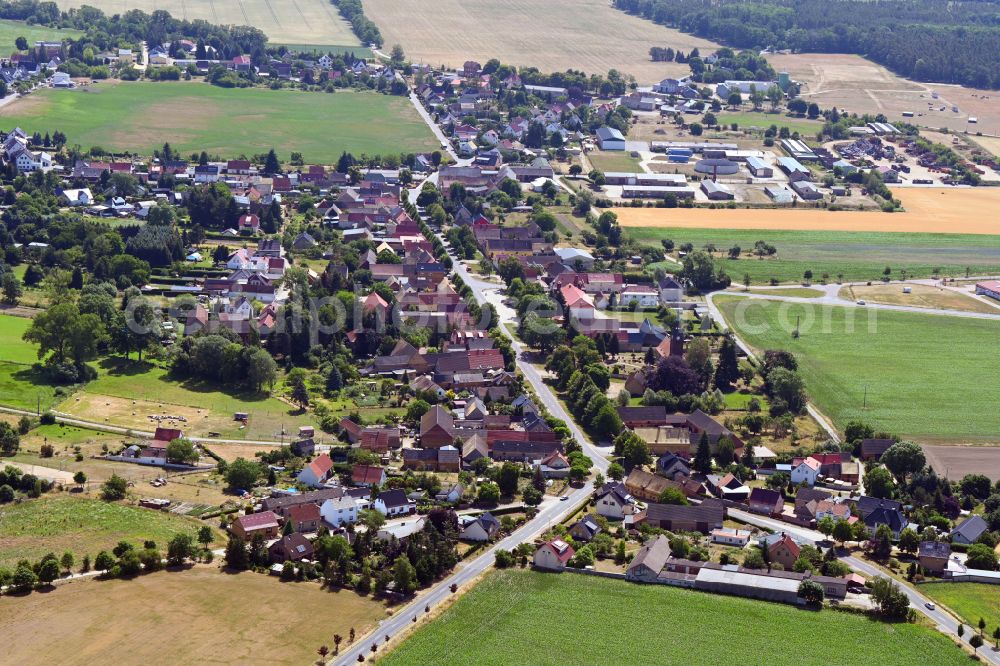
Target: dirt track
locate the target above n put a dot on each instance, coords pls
(928, 210)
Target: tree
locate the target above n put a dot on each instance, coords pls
(242, 474)
(672, 496)
(179, 549)
(66, 562)
(183, 451)
(103, 561)
(531, 496)
(725, 452)
(489, 493)
(981, 556)
(80, 478)
(23, 580)
(976, 485)
(909, 540)
(236, 553)
(811, 592)
(62, 330)
(21, 43)
(205, 535)
(890, 601)
(48, 571)
(879, 483)
(404, 575)
(903, 459)
(300, 394)
(880, 545)
(271, 163)
(11, 289)
(114, 488)
(703, 455)
(416, 409)
(728, 370)
(334, 380)
(10, 441)
(261, 369)
(507, 478)
(826, 525)
(976, 641)
(616, 471)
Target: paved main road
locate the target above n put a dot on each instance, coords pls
(549, 514)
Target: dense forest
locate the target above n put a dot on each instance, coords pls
(927, 40)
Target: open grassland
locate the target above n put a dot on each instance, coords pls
(301, 21)
(970, 600)
(12, 347)
(510, 615)
(614, 161)
(128, 394)
(921, 296)
(196, 116)
(927, 210)
(198, 616)
(858, 85)
(20, 385)
(746, 120)
(555, 35)
(923, 375)
(58, 523)
(11, 30)
(856, 255)
(988, 143)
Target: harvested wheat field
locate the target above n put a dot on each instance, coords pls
(198, 616)
(928, 210)
(298, 22)
(859, 85)
(555, 35)
(954, 462)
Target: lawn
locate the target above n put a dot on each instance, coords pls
(970, 600)
(196, 116)
(922, 376)
(198, 616)
(59, 522)
(614, 161)
(11, 30)
(521, 617)
(803, 126)
(12, 347)
(857, 255)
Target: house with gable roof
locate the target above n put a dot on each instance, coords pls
(553, 555)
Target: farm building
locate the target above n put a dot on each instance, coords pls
(806, 190)
(716, 191)
(626, 178)
(716, 167)
(845, 167)
(759, 168)
(608, 138)
(799, 150)
(794, 169)
(727, 88)
(548, 92)
(736, 155)
(656, 192)
(693, 146)
(989, 288)
(883, 128)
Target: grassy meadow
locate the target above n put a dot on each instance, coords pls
(20, 385)
(196, 116)
(970, 600)
(924, 374)
(745, 120)
(528, 617)
(58, 523)
(11, 30)
(856, 255)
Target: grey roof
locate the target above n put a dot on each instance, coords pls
(653, 554)
(970, 529)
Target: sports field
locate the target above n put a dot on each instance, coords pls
(300, 22)
(59, 523)
(920, 376)
(521, 617)
(11, 30)
(856, 255)
(970, 600)
(855, 84)
(196, 116)
(927, 210)
(555, 35)
(198, 616)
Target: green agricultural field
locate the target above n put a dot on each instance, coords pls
(923, 374)
(803, 126)
(508, 619)
(82, 526)
(970, 600)
(196, 116)
(856, 255)
(11, 30)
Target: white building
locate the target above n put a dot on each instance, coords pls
(553, 555)
(641, 295)
(806, 472)
(341, 511)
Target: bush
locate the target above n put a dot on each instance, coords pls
(48, 418)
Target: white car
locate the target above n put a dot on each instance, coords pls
(929, 606)
(564, 498)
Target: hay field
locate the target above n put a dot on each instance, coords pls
(928, 210)
(299, 21)
(857, 84)
(554, 35)
(198, 616)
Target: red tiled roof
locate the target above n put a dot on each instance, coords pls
(256, 521)
(366, 474)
